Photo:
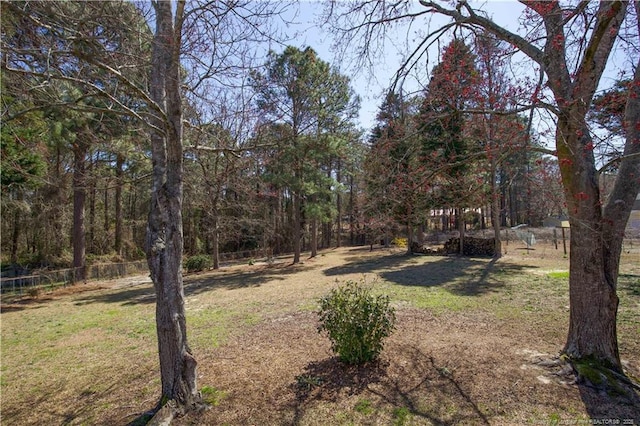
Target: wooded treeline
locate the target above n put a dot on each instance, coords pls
(278, 163)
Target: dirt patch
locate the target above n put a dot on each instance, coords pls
(486, 353)
(453, 369)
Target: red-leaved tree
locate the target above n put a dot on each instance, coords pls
(570, 44)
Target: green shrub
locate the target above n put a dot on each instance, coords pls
(356, 322)
(197, 263)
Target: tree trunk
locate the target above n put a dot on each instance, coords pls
(596, 233)
(92, 215)
(339, 205)
(409, 236)
(278, 219)
(460, 219)
(495, 209)
(503, 198)
(79, 196)
(106, 209)
(216, 241)
(314, 237)
(164, 231)
(297, 223)
(593, 299)
(118, 202)
(15, 235)
(352, 213)
(592, 291)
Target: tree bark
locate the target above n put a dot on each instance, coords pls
(106, 223)
(314, 237)
(339, 205)
(80, 150)
(460, 222)
(15, 234)
(596, 235)
(164, 231)
(216, 240)
(297, 223)
(91, 185)
(592, 288)
(495, 209)
(409, 237)
(352, 213)
(118, 204)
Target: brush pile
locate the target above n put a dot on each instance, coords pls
(471, 246)
(418, 248)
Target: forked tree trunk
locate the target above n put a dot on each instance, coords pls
(592, 290)
(596, 233)
(596, 240)
(164, 232)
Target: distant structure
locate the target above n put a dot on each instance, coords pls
(634, 217)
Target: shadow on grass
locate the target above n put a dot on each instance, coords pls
(621, 405)
(22, 304)
(630, 283)
(332, 380)
(445, 390)
(368, 264)
(81, 408)
(463, 276)
(329, 379)
(139, 294)
(200, 283)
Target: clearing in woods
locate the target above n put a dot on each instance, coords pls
(475, 344)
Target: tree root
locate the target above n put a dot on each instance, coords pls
(165, 412)
(165, 415)
(600, 376)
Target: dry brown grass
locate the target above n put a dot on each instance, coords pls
(472, 346)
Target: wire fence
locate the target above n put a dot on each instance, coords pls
(50, 279)
(64, 277)
(246, 254)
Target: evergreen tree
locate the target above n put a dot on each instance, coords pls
(306, 103)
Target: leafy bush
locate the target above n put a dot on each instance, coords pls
(197, 263)
(356, 322)
(399, 242)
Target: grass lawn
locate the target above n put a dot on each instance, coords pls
(475, 344)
